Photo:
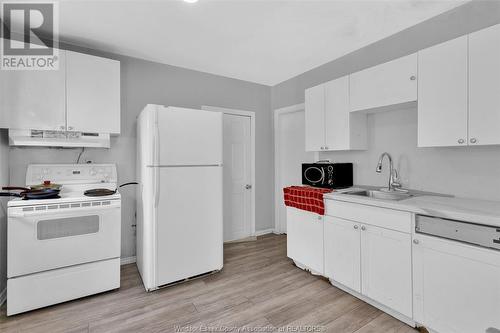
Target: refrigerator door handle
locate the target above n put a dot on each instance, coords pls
(157, 187)
(156, 152)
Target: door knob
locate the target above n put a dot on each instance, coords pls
(248, 186)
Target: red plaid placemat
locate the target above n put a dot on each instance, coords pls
(306, 198)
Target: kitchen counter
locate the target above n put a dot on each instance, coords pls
(433, 204)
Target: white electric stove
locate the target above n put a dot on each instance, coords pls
(63, 248)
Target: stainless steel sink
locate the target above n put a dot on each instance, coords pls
(385, 195)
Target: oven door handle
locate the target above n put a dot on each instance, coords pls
(61, 211)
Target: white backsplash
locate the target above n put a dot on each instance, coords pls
(462, 171)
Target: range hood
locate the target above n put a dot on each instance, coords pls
(38, 138)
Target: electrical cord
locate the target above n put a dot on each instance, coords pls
(80, 155)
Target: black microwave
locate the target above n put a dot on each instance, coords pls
(327, 175)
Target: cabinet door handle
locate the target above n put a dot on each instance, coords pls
(461, 141)
(413, 78)
(326, 148)
(319, 217)
(356, 227)
(62, 127)
(363, 228)
(473, 140)
(415, 241)
(70, 128)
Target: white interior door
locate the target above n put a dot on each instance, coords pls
(291, 153)
(237, 177)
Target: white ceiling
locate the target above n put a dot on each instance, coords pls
(260, 41)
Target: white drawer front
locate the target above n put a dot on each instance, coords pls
(60, 285)
(381, 217)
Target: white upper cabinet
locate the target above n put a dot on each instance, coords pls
(442, 94)
(33, 99)
(315, 118)
(93, 93)
(329, 126)
(83, 95)
(388, 84)
(484, 86)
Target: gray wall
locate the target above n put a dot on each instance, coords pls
(144, 82)
(467, 172)
(4, 179)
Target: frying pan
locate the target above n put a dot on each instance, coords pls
(99, 192)
(45, 186)
(28, 194)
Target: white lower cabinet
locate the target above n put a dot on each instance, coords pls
(342, 252)
(371, 260)
(305, 239)
(456, 286)
(386, 268)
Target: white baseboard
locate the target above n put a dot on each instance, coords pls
(128, 260)
(3, 296)
(264, 232)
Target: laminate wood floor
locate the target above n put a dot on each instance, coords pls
(259, 288)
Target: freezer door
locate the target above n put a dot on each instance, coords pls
(189, 222)
(188, 137)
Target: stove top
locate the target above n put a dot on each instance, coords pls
(67, 197)
(75, 180)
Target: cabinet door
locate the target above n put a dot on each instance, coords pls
(342, 252)
(337, 130)
(387, 84)
(305, 238)
(442, 94)
(386, 267)
(33, 99)
(484, 86)
(456, 286)
(93, 94)
(315, 118)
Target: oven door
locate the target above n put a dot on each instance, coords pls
(45, 237)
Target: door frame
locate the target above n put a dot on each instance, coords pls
(277, 190)
(251, 115)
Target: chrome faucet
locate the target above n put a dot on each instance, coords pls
(393, 174)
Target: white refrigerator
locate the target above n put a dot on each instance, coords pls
(179, 200)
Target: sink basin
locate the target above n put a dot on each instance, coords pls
(386, 195)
